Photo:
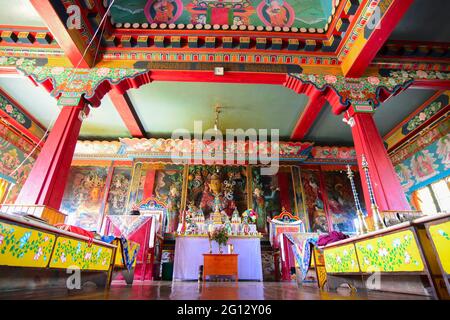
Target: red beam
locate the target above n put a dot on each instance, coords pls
(228, 77)
(127, 113)
(69, 40)
(364, 50)
(309, 115)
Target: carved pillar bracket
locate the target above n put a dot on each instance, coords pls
(364, 92)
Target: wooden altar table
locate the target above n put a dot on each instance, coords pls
(220, 265)
(189, 252)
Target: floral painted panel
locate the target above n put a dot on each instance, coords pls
(440, 234)
(396, 252)
(341, 259)
(24, 247)
(75, 253)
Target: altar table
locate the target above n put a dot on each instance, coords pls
(189, 257)
(220, 265)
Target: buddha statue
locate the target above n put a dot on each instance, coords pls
(213, 196)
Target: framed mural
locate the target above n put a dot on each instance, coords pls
(10, 158)
(299, 197)
(119, 191)
(164, 182)
(84, 196)
(314, 200)
(275, 13)
(340, 201)
(229, 183)
(272, 194)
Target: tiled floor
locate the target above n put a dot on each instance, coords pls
(208, 291)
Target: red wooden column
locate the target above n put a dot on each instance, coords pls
(47, 180)
(388, 192)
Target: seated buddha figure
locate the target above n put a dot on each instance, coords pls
(212, 191)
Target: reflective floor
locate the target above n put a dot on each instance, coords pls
(199, 291)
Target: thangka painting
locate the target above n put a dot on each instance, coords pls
(11, 158)
(426, 166)
(341, 203)
(272, 194)
(83, 197)
(224, 186)
(118, 191)
(314, 200)
(164, 182)
(275, 13)
(301, 206)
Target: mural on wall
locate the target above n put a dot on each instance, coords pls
(118, 192)
(341, 204)
(10, 158)
(83, 197)
(314, 200)
(425, 166)
(228, 183)
(275, 13)
(266, 198)
(164, 182)
(301, 204)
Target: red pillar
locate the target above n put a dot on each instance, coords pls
(47, 180)
(387, 189)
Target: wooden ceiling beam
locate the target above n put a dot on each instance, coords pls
(73, 41)
(372, 37)
(126, 110)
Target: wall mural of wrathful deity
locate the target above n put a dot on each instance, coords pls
(225, 185)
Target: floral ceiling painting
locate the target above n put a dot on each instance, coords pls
(275, 13)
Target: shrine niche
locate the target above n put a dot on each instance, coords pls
(83, 197)
(226, 184)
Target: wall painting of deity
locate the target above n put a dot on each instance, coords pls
(163, 182)
(341, 204)
(314, 200)
(226, 183)
(271, 194)
(83, 197)
(118, 191)
(275, 13)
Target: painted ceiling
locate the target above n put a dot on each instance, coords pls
(102, 122)
(275, 13)
(21, 13)
(425, 20)
(330, 129)
(166, 106)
